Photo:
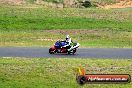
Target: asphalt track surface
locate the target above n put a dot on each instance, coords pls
(39, 52)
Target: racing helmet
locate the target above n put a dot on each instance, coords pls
(67, 37)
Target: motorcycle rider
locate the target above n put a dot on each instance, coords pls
(69, 41)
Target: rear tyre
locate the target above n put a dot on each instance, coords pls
(51, 51)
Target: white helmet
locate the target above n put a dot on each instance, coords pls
(67, 37)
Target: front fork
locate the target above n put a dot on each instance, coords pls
(77, 45)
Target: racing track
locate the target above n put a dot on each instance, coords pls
(81, 53)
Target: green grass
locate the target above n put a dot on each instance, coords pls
(87, 38)
(104, 1)
(31, 23)
(58, 73)
(14, 18)
(31, 26)
(30, 1)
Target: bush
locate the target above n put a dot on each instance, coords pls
(86, 4)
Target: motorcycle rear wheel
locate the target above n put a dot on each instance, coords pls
(51, 51)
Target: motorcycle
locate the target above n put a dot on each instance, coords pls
(58, 48)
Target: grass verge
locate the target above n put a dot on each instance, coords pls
(38, 26)
(20, 18)
(87, 38)
(58, 73)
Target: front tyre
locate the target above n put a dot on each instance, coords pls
(72, 52)
(51, 51)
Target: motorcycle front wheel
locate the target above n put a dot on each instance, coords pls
(72, 52)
